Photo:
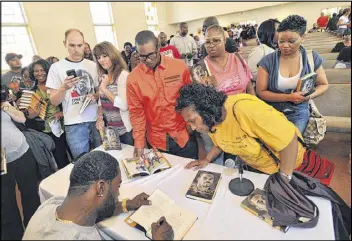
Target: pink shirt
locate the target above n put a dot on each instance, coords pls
(234, 78)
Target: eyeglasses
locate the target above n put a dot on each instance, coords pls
(214, 42)
(150, 56)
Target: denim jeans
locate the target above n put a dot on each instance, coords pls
(299, 115)
(127, 138)
(208, 144)
(82, 137)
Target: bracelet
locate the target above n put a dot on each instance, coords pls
(288, 177)
(124, 205)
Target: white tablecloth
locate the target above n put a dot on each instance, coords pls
(223, 219)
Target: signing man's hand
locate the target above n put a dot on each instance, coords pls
(162, 230)
(138, 201)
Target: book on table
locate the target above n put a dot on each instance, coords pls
(152, 161)
(204, 186)
(255, 203)
(307, 83)
(180, 219)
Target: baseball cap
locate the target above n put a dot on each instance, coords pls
(10, 56)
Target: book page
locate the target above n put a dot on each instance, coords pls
(155, 161)
(179, 218)
(135, 167)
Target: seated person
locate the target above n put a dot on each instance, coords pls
(345, 43)
(314, 29)
(92, 196)
(344, 59)
(235, 122)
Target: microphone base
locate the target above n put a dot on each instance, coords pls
(239, 188)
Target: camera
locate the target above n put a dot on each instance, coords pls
(4, 93)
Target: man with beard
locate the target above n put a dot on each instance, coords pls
(205, 181)
(166, 49)
(183, 42)
(13, 77)
(92, 196)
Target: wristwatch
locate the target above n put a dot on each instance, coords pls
(5, 108)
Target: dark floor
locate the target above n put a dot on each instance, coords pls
(336, 147)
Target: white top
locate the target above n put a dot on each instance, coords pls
(75, 96)
(290, 83)
(44, 226)
(344, 20)
(185, 44)
(255, 56)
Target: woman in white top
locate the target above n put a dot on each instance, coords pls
(279, 73)
(113, 109)
(344, 22)
(267, 38)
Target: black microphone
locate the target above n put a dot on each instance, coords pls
(241, 186)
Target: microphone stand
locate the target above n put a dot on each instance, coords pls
(241, 186)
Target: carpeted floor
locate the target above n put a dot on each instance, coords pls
(337, 147)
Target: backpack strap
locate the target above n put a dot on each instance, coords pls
(242, 61)
(261, 143)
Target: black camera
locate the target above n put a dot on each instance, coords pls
(4, 93)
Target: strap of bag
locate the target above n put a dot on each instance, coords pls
(310, 59)
(261, 143)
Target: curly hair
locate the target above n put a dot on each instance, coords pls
(266, 32)
(45, 65)
(91, 167)
(206, 100)
(294, 23)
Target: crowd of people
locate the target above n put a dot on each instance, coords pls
(148, 95)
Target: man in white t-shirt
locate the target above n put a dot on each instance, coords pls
(81, 133)
(344, 21)
(183, 42)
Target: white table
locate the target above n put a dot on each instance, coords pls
(223, 219)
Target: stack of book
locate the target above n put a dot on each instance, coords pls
(31, 100)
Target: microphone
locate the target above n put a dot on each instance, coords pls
(240, 186)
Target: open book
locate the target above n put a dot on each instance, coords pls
(180, 219)
(149, 163)
(31, 100)
(204, 186)
(256, 204)
(307, 83)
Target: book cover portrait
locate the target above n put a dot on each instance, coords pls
(204, 185)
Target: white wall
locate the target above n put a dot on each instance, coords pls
(309, 10)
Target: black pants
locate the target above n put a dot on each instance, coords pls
(127, 138)
(59, 152)
(189, 151)
(23, 172)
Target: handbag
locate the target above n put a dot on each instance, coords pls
(316, 127)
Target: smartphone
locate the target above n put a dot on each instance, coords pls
(71, 72)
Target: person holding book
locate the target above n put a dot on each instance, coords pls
(280, 72)
(113, 73)
(21, 169)
(235, 124)
(152, 89)
(38, 71)
(92, 196)
(74, 92)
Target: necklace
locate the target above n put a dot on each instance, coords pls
(61, 220)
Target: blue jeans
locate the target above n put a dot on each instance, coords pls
(81, 137)
(208, 144)
(299, 115)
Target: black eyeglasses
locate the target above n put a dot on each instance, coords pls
(150, 56)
